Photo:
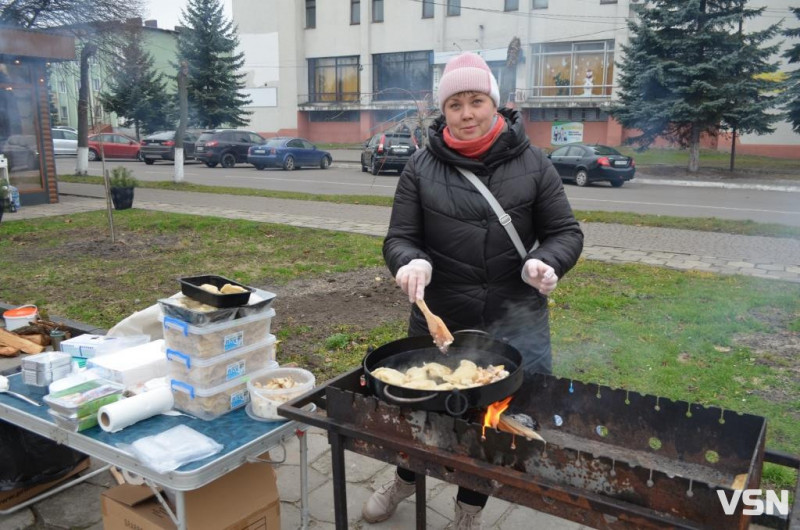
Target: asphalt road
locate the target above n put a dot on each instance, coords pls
(642, 195)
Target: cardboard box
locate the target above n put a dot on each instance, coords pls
(244, 499)
(10, 498)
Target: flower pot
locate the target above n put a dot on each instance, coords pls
(122, 198)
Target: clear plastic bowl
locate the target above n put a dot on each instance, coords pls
(265, 401)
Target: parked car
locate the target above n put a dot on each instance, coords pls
(161, 146)
(591, 163)
(65, 128)
(289, 153)
(112, 145)
(226, 147)
(65, 142)
(389, 150)
(21, 151)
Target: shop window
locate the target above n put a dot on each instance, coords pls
(18, 140)
(334, 79)
(573, 69)
(311, 14)
(402, 76)
(427, 8)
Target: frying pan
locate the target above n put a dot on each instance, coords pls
(472, 345)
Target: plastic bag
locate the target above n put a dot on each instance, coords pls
(144, 322)
(28, 459)
(173, 448)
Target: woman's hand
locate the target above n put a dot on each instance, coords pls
(540, 275)
(413, 277)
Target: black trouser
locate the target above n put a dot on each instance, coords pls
(473, 498)
(530, 334)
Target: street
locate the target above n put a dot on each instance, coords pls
(641, 195)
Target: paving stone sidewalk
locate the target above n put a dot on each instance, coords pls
(79, 507)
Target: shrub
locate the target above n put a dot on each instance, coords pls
(122, 177)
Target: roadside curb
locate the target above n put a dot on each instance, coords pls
(722, 185)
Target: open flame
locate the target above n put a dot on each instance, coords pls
(493, 413)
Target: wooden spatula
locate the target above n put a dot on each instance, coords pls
(441, 335)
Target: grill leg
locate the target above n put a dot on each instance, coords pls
(339, 484)
(420, 501)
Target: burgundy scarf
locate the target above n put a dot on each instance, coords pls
(477, 146)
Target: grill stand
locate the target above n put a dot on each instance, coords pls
(562, 500)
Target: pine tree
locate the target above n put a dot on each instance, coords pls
(687, 69)
(137, 93)
(793, 90)
(208, 44)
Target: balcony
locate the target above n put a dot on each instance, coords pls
(549, 96)
(392, 98)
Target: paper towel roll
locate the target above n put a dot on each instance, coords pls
(120, 414)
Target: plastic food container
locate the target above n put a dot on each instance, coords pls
(204, 342)
(84, 399)
(265, 401)
(259, 302)
(190, 286)
(74, 423)
(21, 316)
(42, 369)
(213, 402)
(88, 346)
(195, 313)
(218, 370)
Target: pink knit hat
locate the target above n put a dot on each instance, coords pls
(467, 72)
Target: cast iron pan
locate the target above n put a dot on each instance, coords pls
(414, 351)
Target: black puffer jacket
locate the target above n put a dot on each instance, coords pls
(440, 217)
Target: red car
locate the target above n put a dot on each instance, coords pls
(112, 145)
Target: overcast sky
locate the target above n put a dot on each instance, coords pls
(168, 12)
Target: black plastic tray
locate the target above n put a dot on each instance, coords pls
(190, 286)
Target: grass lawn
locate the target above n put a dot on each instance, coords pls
(684, 335)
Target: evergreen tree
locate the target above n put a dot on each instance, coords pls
(208, 45)
(793, 90)
(137, 93)
(687, 70)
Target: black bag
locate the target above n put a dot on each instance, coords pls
(28, 459)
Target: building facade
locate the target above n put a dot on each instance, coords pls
(341, 70)
(64, 80)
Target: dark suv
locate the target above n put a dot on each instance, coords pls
(389, 150)
(226, 147)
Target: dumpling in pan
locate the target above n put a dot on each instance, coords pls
(437, 371)
(416, 373)
(389, 375)
(421, 384)
(463, 375)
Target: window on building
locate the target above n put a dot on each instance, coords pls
(63, 113)
(377, 10)
(538, 4)
(311, 13)
(62, 87)
(608, 1)
(511, 5)
(402, 76)
(334, 79)
(321, 116)
(573, 68)
(427, 8)
(77, 87)
(355, 11)
(453, 8)
(95, 84)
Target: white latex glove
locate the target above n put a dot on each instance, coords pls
(413, 277)
(540, 275)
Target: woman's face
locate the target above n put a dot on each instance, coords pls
(469, 115)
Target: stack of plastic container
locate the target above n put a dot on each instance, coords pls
(75, 408)
(212, 353)
(41, 369)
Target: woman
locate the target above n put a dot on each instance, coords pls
(445, 243)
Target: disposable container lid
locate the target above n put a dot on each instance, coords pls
(49, 360)
(21, 312)
(186, 328)
(191, 361)
(197, 391)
